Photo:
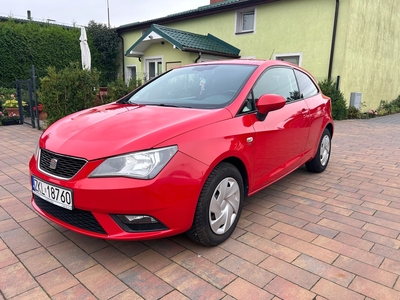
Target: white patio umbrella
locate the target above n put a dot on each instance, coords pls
(85, 51)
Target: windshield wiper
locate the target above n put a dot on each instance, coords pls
(170, 105)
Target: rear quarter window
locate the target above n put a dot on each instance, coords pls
(306, 85)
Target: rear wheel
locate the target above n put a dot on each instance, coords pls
(320, 161)
(219, 206)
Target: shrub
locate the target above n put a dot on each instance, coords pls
(118, 88)
(107, 43)
(339, 104)
(354, 113)
(67, 91)
(389, 107)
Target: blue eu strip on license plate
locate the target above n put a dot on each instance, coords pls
(52, 193)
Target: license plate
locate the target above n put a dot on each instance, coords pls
(52, 193)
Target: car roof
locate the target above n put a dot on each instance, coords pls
(257, 62)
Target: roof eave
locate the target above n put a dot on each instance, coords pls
(232, 55)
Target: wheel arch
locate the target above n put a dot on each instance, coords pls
(238, 164)
(329, 126)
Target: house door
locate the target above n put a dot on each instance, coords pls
(153, 67)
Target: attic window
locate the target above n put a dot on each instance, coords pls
(245, 20)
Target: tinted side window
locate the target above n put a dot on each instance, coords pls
(307, 86)
(280, 81)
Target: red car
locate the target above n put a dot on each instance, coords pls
(180, 153)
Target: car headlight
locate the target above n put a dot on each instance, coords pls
(142, 165)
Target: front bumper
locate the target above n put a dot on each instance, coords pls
(170, 198)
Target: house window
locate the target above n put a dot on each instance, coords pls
(294, 58)
(153, 68)
(245, 20)
(130, 73)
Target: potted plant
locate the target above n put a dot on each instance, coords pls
(9, 119)
(11, 105)
(42, 113)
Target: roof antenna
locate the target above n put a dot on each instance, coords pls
(272, 54)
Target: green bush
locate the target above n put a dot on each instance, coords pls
(118, 88)
(354, 113)
(31, 43)
(24, 44)
(389, 107)
(68, 91)
(339, 104)
(107, 43)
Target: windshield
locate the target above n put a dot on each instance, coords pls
(201, 86)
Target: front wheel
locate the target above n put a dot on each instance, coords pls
(219, 206)
(320, 161)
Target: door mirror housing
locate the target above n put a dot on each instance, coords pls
(267, 103)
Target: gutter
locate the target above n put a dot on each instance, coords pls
(333, 39)
(187, 49)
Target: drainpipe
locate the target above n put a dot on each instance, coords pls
(333, 39)
(198, 57)
(123, 56)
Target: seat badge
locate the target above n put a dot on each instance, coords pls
(53, 163)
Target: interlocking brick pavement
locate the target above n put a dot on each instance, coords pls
(333, 235)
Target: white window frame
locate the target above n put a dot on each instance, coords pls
(239, 20)
(127, 67)
(152, 59)
(283, 55)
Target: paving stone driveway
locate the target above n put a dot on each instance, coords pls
(333, 235)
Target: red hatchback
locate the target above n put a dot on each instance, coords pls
(180, 153)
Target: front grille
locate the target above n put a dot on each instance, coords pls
(79, 218)
(65, 167)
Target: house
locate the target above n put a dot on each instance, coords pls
(354, 42)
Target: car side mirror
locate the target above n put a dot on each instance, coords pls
(267, 103)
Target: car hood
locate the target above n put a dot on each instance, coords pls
(114, 129)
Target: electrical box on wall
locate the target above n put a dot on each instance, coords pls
(355, 99)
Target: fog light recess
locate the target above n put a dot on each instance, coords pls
(138, 223)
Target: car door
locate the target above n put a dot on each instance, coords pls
(317, 107)
(281, 138)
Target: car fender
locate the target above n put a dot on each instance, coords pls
(227, 140)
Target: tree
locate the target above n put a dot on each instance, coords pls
(107, 43)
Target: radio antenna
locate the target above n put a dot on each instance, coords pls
(272, 54)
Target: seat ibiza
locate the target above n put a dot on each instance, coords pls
(181, 152)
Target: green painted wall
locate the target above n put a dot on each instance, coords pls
(366, 50)
(290, 26)
(129, 39)
(368, 53)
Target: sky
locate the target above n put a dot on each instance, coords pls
(80, 12)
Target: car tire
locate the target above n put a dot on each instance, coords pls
(219, 206)
(321, 159)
